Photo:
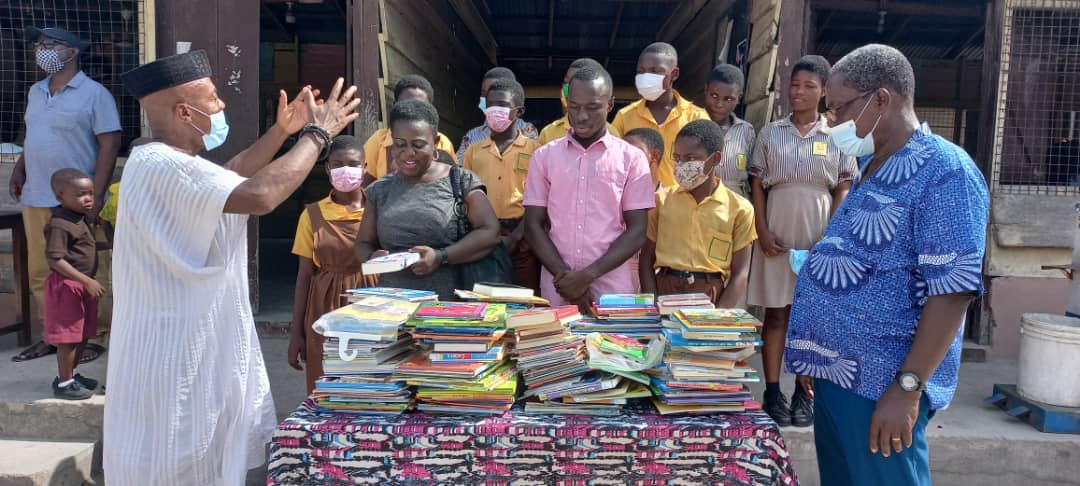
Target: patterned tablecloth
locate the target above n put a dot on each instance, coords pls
(637, 447)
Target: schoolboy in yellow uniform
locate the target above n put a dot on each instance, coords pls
(502, 163)
(700, 233)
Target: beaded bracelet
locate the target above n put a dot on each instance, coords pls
(320, 135)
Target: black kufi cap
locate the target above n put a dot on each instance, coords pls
(167, 72)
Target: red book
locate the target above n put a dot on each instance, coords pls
(452, 310)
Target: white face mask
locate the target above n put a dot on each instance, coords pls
(845, 136)
(650, 86)
(690, 174)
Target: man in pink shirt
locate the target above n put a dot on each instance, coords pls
(596, 190)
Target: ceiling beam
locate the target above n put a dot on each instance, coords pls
(614, 32)
(469, 14)
(957, 51)
(544, 52)
(899, 30)
(551, 22)
(921, 9)
(679, 19)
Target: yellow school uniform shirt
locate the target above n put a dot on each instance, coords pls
(700, 237)
(375, 151)
(304, 245)
(503, 174)
(637, 115)
(559, 128)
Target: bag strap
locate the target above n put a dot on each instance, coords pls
(460, 209)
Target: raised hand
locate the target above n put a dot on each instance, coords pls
(337, 112)
(292, 116)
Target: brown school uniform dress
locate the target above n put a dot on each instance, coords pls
(338, 271)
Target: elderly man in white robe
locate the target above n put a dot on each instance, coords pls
(189, 399)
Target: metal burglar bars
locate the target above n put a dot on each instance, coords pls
(1036, 146)
(116, 34)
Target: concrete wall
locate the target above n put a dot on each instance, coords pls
(1012, 297)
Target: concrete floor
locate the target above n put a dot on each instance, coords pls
(970, 443)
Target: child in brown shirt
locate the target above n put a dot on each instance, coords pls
(71, 293)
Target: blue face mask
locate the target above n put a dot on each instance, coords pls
(219, 129)
(483, 104)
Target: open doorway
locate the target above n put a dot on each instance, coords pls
(301, 42)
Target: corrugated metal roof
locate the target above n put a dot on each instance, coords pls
(918, 37)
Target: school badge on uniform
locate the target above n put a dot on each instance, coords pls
(740, 161)
(821, 148)
(522, 161)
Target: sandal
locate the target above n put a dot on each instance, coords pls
(91, 352)
(38, 350)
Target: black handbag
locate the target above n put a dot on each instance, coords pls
(496, 267)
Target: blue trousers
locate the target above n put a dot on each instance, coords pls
(842, 438)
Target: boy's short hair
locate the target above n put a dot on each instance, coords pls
(728, 74)
(663, 49)
(517, 92)
(414, 81)
(584, 62)
(813, 64)
(652, 138)
(346, 142)
(415, 110)
(707, 132)
(499, 72)
(64, 177)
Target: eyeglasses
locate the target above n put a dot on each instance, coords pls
(50, 43)
(830, 113)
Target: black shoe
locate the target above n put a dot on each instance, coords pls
(74, 391)
(778, 408)
(802, 409)
(88, 383)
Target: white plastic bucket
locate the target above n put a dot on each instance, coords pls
(1050, 359)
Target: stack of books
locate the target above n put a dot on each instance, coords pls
(408, 295)
(465, 369)
(705, 368)
(513, 295)
(668, 304)
(628, 314)
(364, 345)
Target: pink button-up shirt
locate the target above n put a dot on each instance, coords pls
(586, 191)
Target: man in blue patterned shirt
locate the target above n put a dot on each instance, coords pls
(880, 302)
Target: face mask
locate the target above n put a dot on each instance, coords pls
(483, 104)
(498, 118)
(219, 129)
(346, 179)
(650, 86)
(690, 174)
(49, 61)
(845, 136)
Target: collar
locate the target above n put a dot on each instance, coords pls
(819, 127)
(605, 140)
(68, 215)
(720, 190)
(74, 83)
(328, 201)
(518, 141)
(680, 105)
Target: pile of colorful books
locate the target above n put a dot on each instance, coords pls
(668, 304)
(632, 315)
(464, 369)
(513, 295)
(364, 345)
(545, 350)
(408, 295)
(705, 368)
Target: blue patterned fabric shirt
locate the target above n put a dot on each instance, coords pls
(915, 228)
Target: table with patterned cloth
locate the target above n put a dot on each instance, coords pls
(636, 447)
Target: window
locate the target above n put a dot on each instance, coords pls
(1036, 149)
(115, 31)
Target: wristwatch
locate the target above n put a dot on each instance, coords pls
(909, 381)
(444, 257)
